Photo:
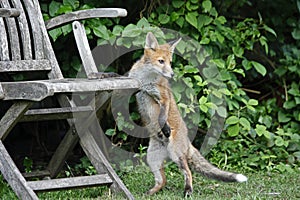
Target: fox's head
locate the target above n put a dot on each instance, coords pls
(159, 56)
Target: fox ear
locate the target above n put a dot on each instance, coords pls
(173, 44)
(151, 42)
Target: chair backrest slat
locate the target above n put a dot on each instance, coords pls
(4, 54)
(25, 65)
(12, 33)
(49, 53)
(24, 29)
(36, 29)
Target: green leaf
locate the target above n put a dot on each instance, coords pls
(55, 33)
(131, 30)
(174, 16)
(163, 18)
(238, 51)
(203, 20)
(246, 64)
(279, 141)
(191, 18)
(204, 108)
(202, 100)
(74, 3)
(101, 31)
(232, 120)
(180, 21)
(142, 23)
(210, 72)
(110, 132)
(66, 29)
(225, 91)
(282, 117)
(219, 62)
(259, 68)
(233, 130)
(251, 108)
(53, 8)
(289, 104)
(177, 3)
(230, 62)
(260, 129)
(222, 112)
(205, 40)
(191, 7)
(221, 19)
(64, 9)
(280, 71)
(245, 123)
(253, 102)
(296, 34)
(207, 5)
(117, 30)
(297, 153)
(270, 30)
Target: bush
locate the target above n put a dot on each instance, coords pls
(249, 71)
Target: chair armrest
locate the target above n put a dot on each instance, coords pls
(9, 12)
(1, 92)
(85, 14)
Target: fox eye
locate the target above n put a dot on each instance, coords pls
(161, 61)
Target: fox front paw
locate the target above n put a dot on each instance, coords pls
(188, 192)
(166, 130)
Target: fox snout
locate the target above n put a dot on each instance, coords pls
(168, 75)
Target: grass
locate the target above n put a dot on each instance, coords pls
(261, 185)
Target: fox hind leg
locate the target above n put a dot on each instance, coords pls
(156, 155)
(183, 165)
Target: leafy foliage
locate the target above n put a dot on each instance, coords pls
(248, 70)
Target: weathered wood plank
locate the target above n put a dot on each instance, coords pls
(84, 85)
(35, 91)
(1, 92)
(24, 30)
(49, 53)
(25, 65)
(72, 182)
(9, 12)
(12, 33)
(38, 90)
(4, 54)
(13, 176)
(84, 49)
(85, 14)
(36, 174)
(34, 20)
(56, 113)
(11, 117)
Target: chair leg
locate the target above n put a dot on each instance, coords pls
(12, 116)
(97, 158)
(13, 176)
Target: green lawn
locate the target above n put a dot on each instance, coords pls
(261, 185)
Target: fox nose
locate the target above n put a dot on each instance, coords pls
(172, 74)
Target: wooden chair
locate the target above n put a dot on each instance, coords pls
(25, 47)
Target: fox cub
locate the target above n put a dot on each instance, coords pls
(161, 117)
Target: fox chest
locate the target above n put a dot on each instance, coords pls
(148, 107)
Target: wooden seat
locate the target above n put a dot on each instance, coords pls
(25, 47)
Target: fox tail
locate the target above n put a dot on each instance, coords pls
(201, 165)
